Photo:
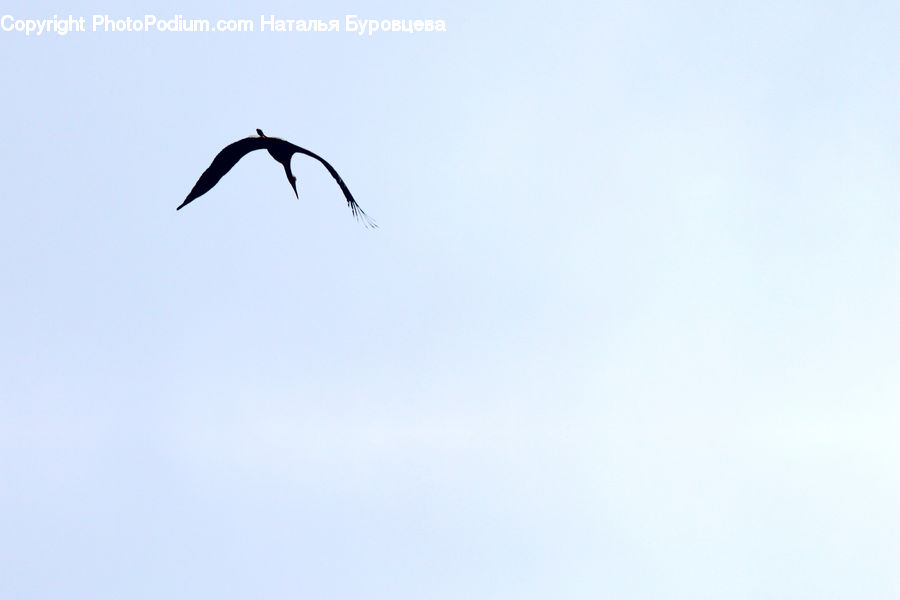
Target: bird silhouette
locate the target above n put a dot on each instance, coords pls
(279, 149)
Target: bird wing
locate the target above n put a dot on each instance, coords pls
(354, 207)
(221, 164)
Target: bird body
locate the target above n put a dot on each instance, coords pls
(279, 149)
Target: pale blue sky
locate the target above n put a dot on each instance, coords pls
(628, 329)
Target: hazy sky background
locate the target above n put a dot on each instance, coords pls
(629, 327)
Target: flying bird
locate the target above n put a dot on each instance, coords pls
(280, 150)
